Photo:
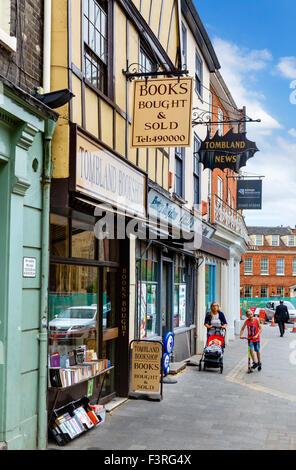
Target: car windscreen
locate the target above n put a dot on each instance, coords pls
(82, 313)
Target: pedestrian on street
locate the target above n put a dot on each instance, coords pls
(281, 317)
(215, 319)
(254, 329)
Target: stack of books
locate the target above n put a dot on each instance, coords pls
(77, 424)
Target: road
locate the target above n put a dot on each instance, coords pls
(207, 410)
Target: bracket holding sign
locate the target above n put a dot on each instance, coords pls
(146, 368)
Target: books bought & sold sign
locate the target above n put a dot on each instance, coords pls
(162, 112)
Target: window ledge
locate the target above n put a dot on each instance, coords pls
(8, 42)
(280, 274)
(179, 198)
(248, 274)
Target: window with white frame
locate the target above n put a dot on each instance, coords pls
(220, 187)
(275, 240)
(291, 240)
(280, 291)
(264, 266)
(196, 171)
(248, 291)
(95, 18)
(264, 291)
(259, 240)
(198, 74)
(248, 265)
(7, 41)
(220, 120)
(280, 266)
(294, 266)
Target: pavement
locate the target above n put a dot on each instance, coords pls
(207, 410)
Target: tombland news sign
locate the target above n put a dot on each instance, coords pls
(162, 112)
(146, 366)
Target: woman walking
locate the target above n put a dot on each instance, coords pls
(215, 319)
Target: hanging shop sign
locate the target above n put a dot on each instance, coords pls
(162, 112)
(146, 367)
(249, 194)
(104, 177)
(228, 151)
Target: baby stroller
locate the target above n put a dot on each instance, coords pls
(213, 352)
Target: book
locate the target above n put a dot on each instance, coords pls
(64, 361)
(55, 377)
(55, 360)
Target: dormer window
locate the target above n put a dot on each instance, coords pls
(259, 240)
(291, 240)
(275, 240)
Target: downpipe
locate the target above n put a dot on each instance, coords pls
(42, 336)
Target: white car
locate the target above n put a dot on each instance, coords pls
(74, 320)
(271, 307)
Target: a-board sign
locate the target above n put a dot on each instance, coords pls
(146, 366)
(162, 115)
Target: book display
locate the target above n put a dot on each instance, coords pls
(73, 416)
(74, 419)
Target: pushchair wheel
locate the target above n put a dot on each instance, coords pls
(199, 367)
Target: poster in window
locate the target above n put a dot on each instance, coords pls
(176, 306)
(142, 308)
(182, 305)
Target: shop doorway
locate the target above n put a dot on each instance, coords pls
(166, 296)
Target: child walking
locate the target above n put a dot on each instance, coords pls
(254, 329)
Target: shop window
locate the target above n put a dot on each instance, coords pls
(73, 319)
(59, 235)
(95, 19)
(83, 240)
(210, 284)
(180, 292)
(147, 268)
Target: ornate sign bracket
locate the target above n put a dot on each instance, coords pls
(136, 70)
(202, 117)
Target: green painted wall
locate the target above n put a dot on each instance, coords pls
(21, 143)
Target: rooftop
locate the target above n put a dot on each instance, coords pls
(269, 230)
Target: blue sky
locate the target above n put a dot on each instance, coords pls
(255, 42)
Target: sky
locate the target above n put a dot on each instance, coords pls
(255, 42)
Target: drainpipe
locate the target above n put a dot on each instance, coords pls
(42, 385)
(46, 46)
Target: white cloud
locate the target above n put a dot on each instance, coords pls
(292, 132)
(276, 159)
(287, 67)
(237, 66)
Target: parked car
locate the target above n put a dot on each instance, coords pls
(73, 320)
(271, 306)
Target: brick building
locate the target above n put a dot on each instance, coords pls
(269, 266)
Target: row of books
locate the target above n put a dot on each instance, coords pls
(60, 377)
(77, 424)
(75, 357)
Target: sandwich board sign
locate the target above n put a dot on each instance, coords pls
(146, 367)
